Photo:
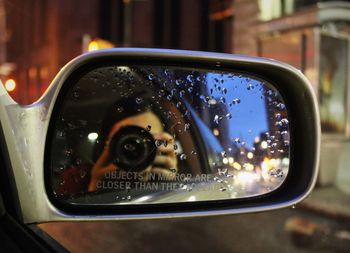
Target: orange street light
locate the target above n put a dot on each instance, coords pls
(97, 44)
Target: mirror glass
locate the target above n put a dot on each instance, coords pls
(152, 134)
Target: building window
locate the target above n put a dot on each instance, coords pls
(271, 9)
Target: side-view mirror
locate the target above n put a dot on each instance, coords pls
(137, 133)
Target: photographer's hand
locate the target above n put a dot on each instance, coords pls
(102, 167)
(165, 162)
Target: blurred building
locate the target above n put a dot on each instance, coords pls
(40, 36)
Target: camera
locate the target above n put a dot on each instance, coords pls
(132, 148)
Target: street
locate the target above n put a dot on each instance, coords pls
(261, 232)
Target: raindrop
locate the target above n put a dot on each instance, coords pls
(190, 89)
(281, 106)
(284, 122)
(78, 161)
(236, 101)
(229, 116)
(216, 119)
(183, 157)
(182, 93)
(148, 128)
(250, 86)
(128, 198)
(224, 90)
(286, 143)
(139, 100)
(276, 173)
(158, 143)
(150, 77)
(193, 152)
(61, 133)
(222, 172)
(223, 100)
(68, 152)
(178, 104)
(175, 147)
(120, 109)
(293, 206)
(223, 154)
(284, 133)
(83, 173)
(222, 189)
(76, 95)
(173, 170)
(187, 126)
(237, 140)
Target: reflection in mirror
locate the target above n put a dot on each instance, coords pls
(144, 135)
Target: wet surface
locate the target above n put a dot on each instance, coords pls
(262, 232)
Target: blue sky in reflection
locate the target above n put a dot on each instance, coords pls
(249, 117)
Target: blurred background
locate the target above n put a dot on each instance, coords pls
(38, 37)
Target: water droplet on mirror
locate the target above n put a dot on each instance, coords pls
(182, 93)
(223, 172)
(150, 77)
(229, 116)
(190, 89)
(175, 146)
(83, 173)
(276, 173)
(216, 119)
(284, 133)
(222, 189)
(158, 143)
(183, 157)
(281, 106)
(236, 101)
(68, 152)
(76, 95)
(223, 154)
(148, 128)
(250, 86)
(187, 127)
(193, 152)
(237, 140)
(139, 100)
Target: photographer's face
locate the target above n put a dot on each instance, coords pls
(146, 120)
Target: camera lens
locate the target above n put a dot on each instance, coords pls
(132, 148)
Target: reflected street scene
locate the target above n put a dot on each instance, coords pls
(151, 134)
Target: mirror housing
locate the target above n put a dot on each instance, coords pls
(27, 129)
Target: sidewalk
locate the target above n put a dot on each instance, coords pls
(329, 201)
